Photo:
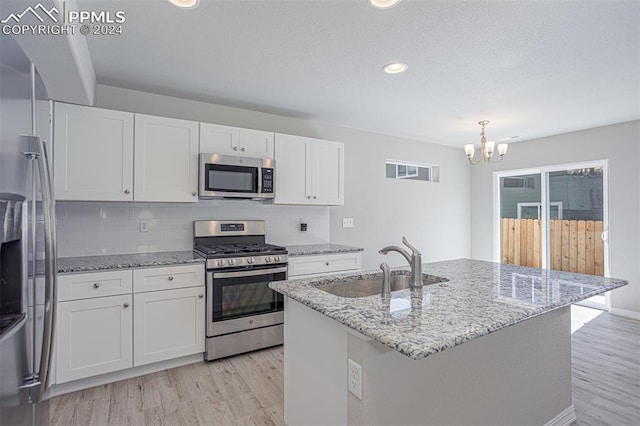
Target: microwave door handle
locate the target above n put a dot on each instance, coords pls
(259, 181)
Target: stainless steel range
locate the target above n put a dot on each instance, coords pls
(243, 313)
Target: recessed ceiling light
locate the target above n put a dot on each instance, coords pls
(383, 4)
(186, 4)
(395, 68)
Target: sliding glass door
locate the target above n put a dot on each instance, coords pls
(555, 218)
(521, 220)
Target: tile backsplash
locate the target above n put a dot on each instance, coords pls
(94, 228)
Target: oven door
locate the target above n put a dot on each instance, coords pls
(240, 300)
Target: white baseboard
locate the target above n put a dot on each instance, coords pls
(625, 313)
(116, 376)
(565, 418)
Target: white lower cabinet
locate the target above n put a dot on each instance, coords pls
(100, 332)
(94, 337)
(168, 324)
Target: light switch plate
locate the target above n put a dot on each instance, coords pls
(347, 222)
(144, 225)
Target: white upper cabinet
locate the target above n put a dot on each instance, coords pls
(309, 171)
(93, 154)
(256, 143)
(293, 177)
(166, 159)
(328, 173)
(228, 140)
(94, 151)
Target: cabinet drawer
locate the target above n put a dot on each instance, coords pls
(152, 279)
(95, 284)
(302, 266)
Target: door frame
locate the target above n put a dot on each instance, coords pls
(544, 172)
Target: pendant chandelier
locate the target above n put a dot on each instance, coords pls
(487, 149)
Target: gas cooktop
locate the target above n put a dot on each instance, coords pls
(220, 250)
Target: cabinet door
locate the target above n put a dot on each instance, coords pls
(93, 336)
(328, 173)
(166, 159)
(168, 324)
(218, 139)
(293, 176)
(256, 143)
(93, 154)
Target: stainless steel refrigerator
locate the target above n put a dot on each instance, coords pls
(27, 247)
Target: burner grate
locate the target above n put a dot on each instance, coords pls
(225, 249)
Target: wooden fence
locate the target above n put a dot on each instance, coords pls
(574, 245)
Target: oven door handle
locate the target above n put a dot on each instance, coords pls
(251, 273)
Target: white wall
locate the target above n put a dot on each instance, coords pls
(620, 143)
(435, 217)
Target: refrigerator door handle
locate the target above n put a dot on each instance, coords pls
(48, 210)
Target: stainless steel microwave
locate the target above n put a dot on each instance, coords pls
(226, 176)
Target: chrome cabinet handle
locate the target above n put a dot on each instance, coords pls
(126, 305)
(242, 149)
(327, 263)
(170, 278)
(194, 194)
(314, 197)
(126, 191)
(96, 285)
(308, 197)
(235, 148)
(200, 296)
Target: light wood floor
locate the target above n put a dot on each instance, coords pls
(606, 371)
(248, 389)
(243, 390)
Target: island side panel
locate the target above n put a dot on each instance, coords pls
(315, 367)
(518, 375)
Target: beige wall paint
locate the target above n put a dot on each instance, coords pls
(620, 144)
(433, 216)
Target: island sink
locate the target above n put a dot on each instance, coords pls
(491, 346)
(400, 280)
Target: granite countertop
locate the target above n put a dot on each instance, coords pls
(309, 249)
(479, 298)
(125, 261)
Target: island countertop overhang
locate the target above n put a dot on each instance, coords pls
(480, 298)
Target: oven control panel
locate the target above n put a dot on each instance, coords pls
(231, 227)
(234, 262)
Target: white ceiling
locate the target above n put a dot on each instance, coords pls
(534, 68)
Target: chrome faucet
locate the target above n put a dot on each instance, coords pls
(414, 259)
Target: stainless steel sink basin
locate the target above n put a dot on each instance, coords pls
(370, 286)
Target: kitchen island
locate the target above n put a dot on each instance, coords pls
(489, 346)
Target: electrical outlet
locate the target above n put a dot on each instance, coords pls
(355, 379)
(347, 222)
(144, 225)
